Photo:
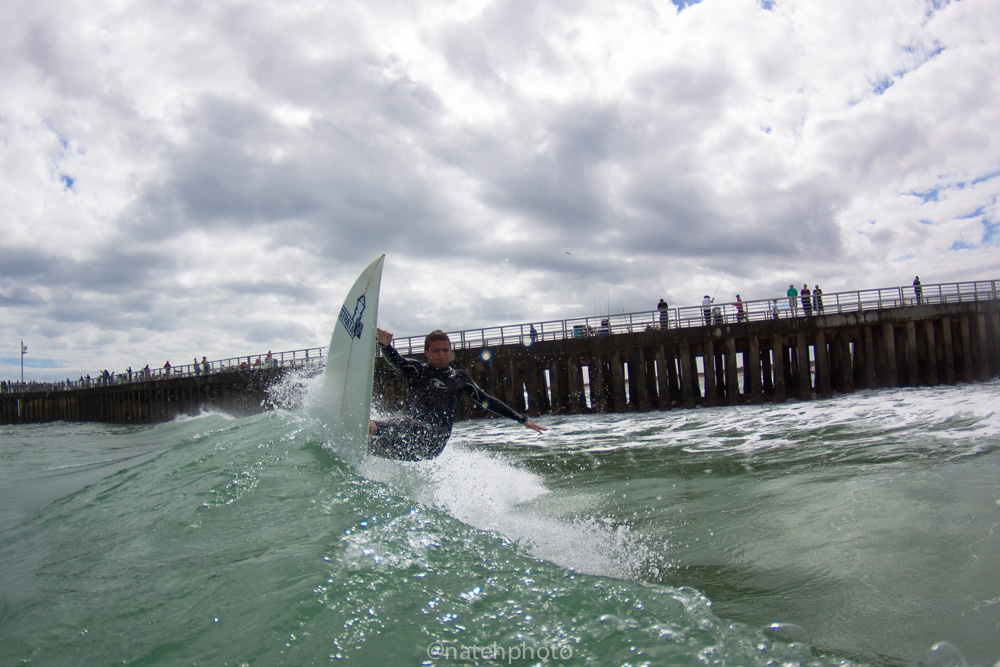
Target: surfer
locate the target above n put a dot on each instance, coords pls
(435, 387)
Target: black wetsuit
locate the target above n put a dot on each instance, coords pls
(434, 393)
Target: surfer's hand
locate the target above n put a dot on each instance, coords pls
(535, 427)
(383, 336)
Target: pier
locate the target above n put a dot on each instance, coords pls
(237, 391)
(727, 354)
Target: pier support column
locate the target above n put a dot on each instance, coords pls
(823, 387)
(689, 378)
(947, 351)
(720, 375)
(870, 369)
(637, 380)
(574, 384)
(993, 338)
(912, 356)
(966, 355)
(557, 385)
(500, 370)
(778, 359)
(767, 372)
(981, 348)
(673, 376)
(846, 366)
(662, 378)
(802, 353)
(651, 373)
(708, 362)
(598, 393)
(619, 400)
(930, 351)
(889, 355)
(515, 390)
(751, 370)
(538, 395)
(732, 379)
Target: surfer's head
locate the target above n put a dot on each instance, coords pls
(437, 349)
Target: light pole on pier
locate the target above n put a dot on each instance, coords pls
(23, 351)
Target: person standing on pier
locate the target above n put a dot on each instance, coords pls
(435, 387)
(918, 290)
(817, 300)
(706, 308)
(793, 302)
(807, 305)
(664, 313)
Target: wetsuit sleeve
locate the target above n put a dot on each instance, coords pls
(409, 367)
(492, 404)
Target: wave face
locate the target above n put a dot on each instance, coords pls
(857, 530)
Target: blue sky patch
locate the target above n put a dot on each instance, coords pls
(684, 4)
(990, 230)
(975, 214)
(67, 181)
(988, 177)
(31, 362)
(926, 195)
(882, 85)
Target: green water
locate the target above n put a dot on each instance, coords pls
(865, 529)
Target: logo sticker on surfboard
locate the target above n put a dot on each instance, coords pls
(353, 323)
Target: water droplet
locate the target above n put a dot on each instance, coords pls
(942, 654)
(787, 633)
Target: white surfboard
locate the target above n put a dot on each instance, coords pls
(350, 363)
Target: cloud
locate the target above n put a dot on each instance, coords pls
(185, 179)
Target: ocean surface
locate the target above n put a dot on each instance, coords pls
(860, 530)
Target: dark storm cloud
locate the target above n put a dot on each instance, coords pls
(24, 262)
(349, 180)
(110, 270)
(550, 172)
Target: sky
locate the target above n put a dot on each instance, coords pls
(185, 178)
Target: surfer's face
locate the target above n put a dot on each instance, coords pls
(438, 353)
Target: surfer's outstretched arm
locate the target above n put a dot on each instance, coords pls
(495, 404)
